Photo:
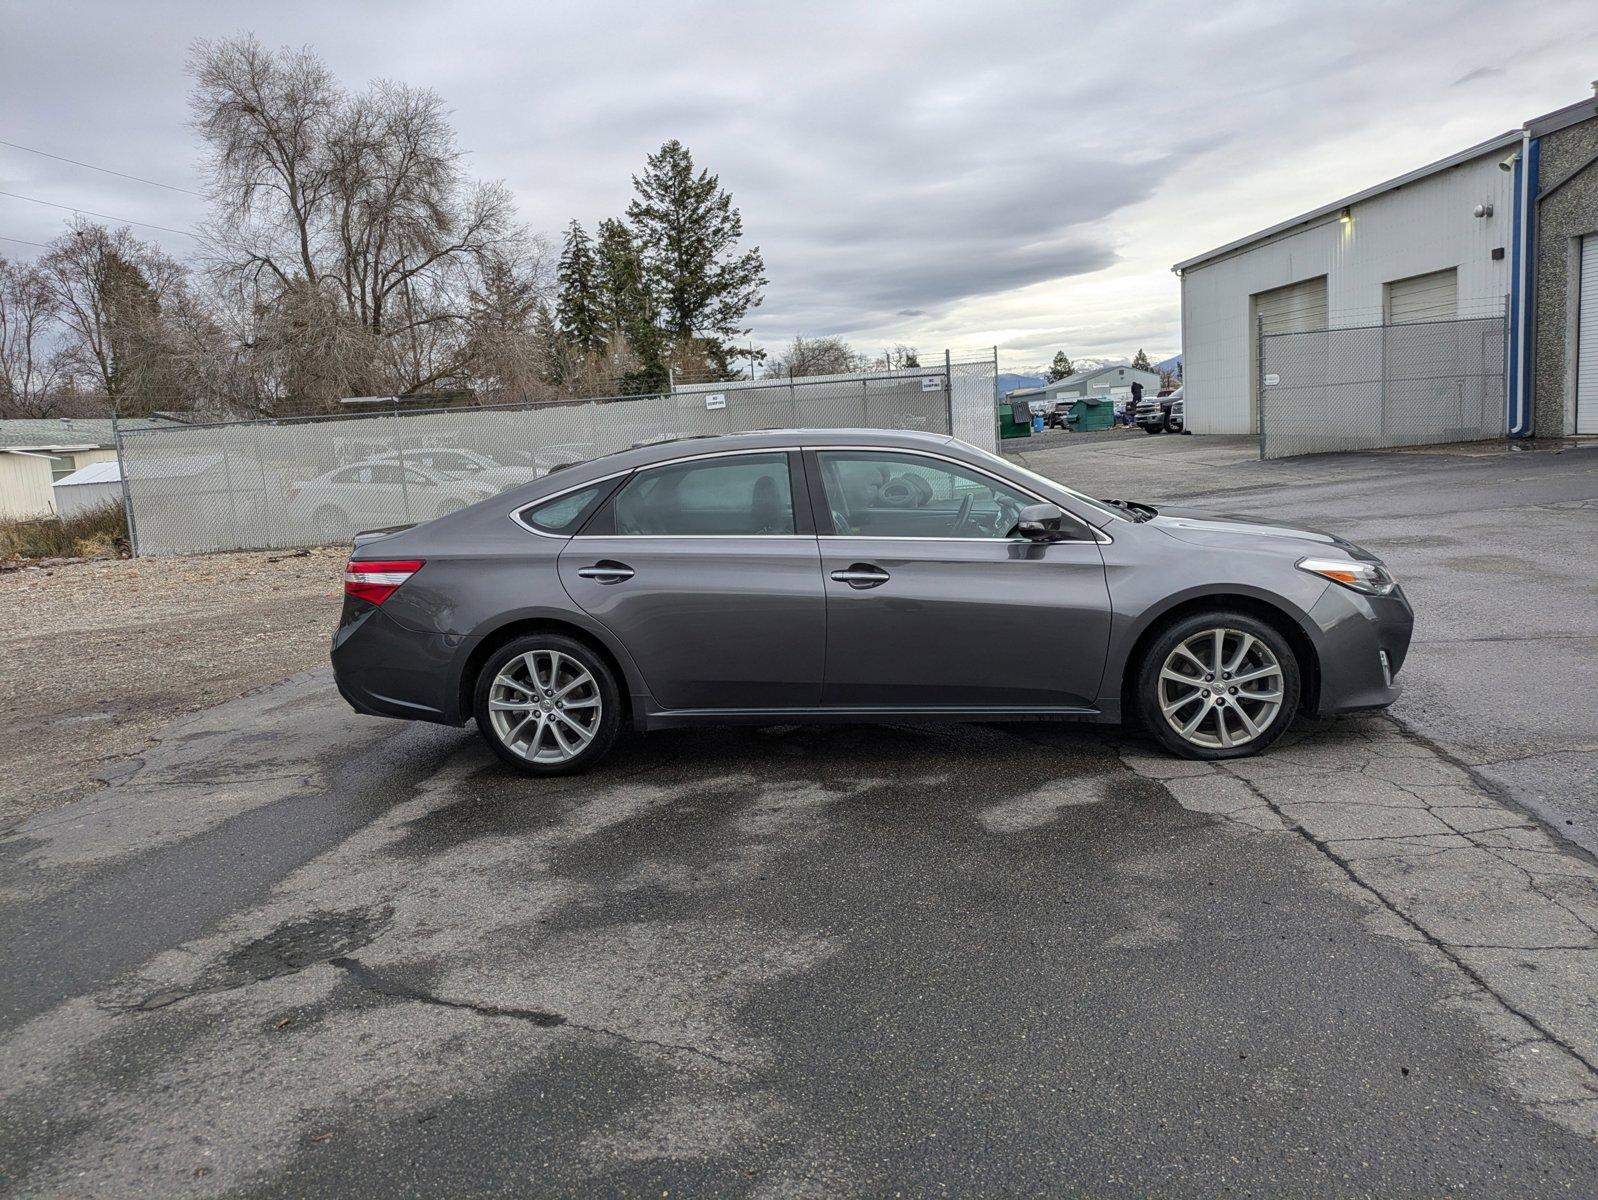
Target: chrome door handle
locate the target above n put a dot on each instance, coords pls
(606, 572)
(861, 576)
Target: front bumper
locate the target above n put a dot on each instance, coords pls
(1363, 642)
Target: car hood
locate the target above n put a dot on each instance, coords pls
(1225, 529)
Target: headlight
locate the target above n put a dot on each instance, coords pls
(1369, 578)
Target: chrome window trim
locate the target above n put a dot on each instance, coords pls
(516, 516)
(1099, 536)
(1101, 540)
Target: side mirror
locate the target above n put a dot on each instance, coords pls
(1040, 522)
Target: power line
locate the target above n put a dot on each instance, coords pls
(23, 242)
(107, 170)
(72, 208)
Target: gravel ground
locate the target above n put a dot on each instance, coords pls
(100, 655)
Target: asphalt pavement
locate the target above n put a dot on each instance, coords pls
(293, 951)
(1498, 550)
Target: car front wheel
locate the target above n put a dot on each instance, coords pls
(548, 705)
(1218, 685)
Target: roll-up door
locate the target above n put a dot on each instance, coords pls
(1433, 297)
(1296, 308)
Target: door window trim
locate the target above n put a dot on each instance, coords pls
(803, 483)
(818, 498)
(804, 520)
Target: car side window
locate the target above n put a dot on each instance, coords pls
(564, 515)
(875, 493)
(743, 495)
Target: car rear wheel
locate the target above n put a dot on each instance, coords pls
(548, 705)
(1218, 685)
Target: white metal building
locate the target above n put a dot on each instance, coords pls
(1434, 244)
(1114, 381)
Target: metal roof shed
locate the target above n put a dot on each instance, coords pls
(89, 487)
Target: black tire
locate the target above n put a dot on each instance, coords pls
(1146, 696)
(606, 690)
(1152, 429)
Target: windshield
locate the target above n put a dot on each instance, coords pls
(1097, 506)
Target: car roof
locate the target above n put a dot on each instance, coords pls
(382, 460)
(646, 454)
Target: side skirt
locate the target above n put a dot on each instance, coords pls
(859, 715)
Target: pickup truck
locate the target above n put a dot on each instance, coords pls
(1161, 414)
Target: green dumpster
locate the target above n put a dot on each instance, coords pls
(1015, 419)
(1091, 412)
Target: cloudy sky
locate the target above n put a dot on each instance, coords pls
(946, 174)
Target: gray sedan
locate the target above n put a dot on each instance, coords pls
(854, 575)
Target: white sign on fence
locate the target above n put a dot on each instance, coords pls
(716, 400)
(932, 383)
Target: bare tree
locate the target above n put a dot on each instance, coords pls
(109, 289)
(359, 199)
(816, 356)
(31, 368)
(900, 358)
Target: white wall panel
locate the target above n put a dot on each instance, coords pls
(1416, 229)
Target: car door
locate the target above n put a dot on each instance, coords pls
(932, 604)
(708, 572)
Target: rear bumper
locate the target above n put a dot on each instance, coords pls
(1363, 643)
(383, 669)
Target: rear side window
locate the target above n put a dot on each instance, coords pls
(563, 515)
(747, 495)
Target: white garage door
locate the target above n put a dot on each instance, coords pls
(1587, 340)
(1433, 297)
(1296, 308)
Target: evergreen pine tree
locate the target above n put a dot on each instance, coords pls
(1060, 368)
(577, 312)
(626, 308)
(1141, 362)
(688, 233)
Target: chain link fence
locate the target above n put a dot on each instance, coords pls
(1375, 386)
(318, 480)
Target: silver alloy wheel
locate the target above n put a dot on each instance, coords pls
(1220, 688)
(545, 706)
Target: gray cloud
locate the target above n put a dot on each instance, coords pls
(909, 170)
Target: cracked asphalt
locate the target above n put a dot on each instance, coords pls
(292, 951)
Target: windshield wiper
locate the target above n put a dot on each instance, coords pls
(1139, 512)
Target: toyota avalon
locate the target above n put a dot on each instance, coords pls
(854, 575)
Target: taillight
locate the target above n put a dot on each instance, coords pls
(377, 581)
